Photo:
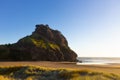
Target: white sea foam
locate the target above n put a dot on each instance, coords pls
(97, 61)
(91, 63)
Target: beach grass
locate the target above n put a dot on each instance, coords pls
(42, 73)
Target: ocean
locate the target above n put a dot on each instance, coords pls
(98, 60)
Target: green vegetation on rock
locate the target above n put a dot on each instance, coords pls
(54, 46)
(39, 43)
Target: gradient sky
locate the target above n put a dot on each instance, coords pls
(92, 27)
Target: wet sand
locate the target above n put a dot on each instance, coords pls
(108, 68)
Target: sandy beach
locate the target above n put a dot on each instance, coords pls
(107, 68)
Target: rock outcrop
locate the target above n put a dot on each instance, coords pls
(44, 44)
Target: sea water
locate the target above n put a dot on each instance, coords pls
(98, 60)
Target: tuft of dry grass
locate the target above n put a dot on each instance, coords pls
(4, 78)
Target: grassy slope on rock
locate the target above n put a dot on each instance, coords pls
(40, 73)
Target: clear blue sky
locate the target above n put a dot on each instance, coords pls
(92, 27)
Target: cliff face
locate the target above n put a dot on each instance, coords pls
(44, 44)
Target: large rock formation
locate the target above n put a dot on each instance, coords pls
(45, 44)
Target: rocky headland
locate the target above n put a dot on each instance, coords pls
(44, 44)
